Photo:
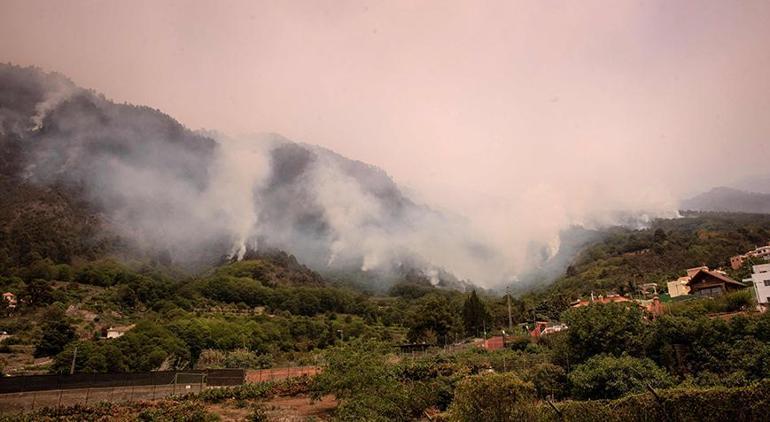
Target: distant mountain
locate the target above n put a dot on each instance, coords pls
(724, 199)
(755, 183)
(83, 177)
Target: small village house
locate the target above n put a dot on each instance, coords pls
(679, 286)
(544, 328)
(760, 253)
(494, 343)
(712, 284)
(760, 279)
(115, 332)
(10, 299)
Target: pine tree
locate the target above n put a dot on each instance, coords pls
(475, 315)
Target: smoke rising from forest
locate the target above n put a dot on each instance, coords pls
(499, 125)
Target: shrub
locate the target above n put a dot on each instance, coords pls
(366, 384)
(493, 397)
(614, 328)
(608, 377)
(550, 380)
(677, 404)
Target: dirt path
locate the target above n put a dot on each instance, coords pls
(290, 409)
(280, 409)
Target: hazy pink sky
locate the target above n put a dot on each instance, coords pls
(504, 110)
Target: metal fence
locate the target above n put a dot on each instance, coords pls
(20, 384)
(27, 393)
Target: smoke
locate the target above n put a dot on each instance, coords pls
(202, 196)
(504, 124)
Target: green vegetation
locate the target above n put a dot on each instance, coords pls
(270, 310)
(494, 398)
(609, 377)
(625, 258)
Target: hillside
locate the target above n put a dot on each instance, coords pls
(83, 178)
(624, 259)
(724, 199)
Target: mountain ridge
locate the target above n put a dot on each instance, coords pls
(155, 188)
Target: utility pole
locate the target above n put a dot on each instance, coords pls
(510, 320)
(74, 358)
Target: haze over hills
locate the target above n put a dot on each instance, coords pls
(727, 199)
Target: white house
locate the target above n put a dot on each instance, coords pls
(115, 332)
(678, 287)
(760, 277)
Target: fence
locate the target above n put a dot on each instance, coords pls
(274, 374)
(20, 384)
(26, 393)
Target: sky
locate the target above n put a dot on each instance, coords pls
(522, 115)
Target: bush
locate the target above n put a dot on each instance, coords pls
(678, 404)
(519, 342)
(614, 328)
(493, 397)
(366, 384)
(609, 377)
(550, 380)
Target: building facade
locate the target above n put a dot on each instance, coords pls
(712, 284)
(760, 278)
(760, 253)
(679, 286)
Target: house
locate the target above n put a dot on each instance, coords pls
(10, 299)
(653, 306)
(736, 262)
(494, 343)
(760, 279)
(543, 328)
(760, 253)
(115, 332)
(679, 286)
(712, 283)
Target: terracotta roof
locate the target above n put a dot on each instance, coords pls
(702, 273)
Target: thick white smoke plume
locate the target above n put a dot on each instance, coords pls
(202, 197)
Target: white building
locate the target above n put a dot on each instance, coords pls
(115, 332)
(678, 287)
(760, 277)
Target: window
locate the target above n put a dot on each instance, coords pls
(767, 283)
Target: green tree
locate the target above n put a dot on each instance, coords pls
(37, 293)
(475, 315)
(57, 333)
(435, 318)
(613, 328)
(359, 376)
(609, 377)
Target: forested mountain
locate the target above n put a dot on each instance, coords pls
(84, 178)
